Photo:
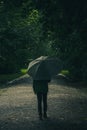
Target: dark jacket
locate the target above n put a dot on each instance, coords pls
(40, 86)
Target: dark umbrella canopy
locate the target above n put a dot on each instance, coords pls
(44, 68)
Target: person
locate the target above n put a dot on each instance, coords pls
(40, 88)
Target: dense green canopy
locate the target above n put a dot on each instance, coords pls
(31, 28)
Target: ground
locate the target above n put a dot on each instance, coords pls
(67, 106)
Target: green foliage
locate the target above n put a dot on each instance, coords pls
(67, 21)
(65, 72)
(29, 29)
(23, 71)
(20, 39)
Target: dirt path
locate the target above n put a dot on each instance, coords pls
(67, 107)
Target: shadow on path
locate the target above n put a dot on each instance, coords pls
(67, 107)
(49, 124)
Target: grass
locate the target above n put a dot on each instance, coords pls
(23, 71)
(8, 77)
(65, 72)
(4, 78)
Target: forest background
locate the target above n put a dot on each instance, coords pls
(31, 28)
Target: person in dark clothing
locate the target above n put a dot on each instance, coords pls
(40, 88)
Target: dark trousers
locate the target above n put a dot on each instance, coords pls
(42, 103)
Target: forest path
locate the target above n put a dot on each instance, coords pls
(67, 107)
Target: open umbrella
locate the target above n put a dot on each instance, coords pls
(44, 68)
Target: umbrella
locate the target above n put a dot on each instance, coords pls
(44, 68)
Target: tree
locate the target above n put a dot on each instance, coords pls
(67, 21)
(21, 35)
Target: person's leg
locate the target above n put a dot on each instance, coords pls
(39, 100)
(45, 104)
